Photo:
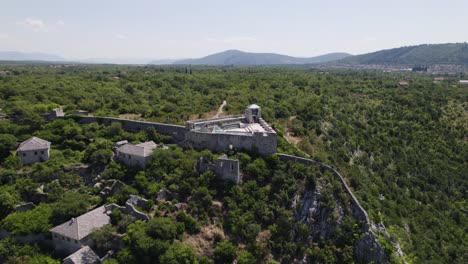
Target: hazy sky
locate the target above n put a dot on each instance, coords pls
(182, 29)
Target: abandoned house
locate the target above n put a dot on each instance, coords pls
(33, 150)
(134, 155)
(73, 234)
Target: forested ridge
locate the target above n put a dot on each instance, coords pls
(426, 54)
(402, 150)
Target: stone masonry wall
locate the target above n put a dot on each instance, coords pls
(175, 131)
(367, 248)
(225, 168)
(265, 143)
(358, 210)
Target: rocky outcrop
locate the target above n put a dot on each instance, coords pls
(368, 249)
(312, 213)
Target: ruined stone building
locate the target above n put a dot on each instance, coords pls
(225, 168)
(56, 113)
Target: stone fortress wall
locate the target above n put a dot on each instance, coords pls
(264, 142)
(358, 210)
(367, 248)
(175, 131)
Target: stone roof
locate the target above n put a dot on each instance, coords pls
(142, 150)
(84, 255)
(253, 106)
(83, 225)
(34, 143)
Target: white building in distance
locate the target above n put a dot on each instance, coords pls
(33, 150)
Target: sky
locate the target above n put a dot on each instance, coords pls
(167, 29)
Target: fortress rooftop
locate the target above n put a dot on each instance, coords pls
(249, 123)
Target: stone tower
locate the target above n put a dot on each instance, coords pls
(252, 113)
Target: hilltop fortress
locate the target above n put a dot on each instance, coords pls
(248, 131)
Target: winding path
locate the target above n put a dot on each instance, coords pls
(220, 109)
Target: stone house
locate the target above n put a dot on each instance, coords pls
(85, 255)
(134, 155)
(33, 150)
(74, 234)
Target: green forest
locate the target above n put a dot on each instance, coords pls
(402, 150)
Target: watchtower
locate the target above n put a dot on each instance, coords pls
(252, 113)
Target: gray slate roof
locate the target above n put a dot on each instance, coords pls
(84, 255)
(142, 150)
(34, 143)
(83, 225)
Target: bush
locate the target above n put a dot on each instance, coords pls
(225, 252)
(179, 253)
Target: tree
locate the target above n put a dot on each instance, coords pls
(225, 252)
(245, 257)
(34, 221)
(72, 204)
(179, 253)
(105, 239)
(7, 204)
(7, 143)
(162, 228)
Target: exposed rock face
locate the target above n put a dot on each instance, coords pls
(368, 249)
(313, 214)
(323, 221)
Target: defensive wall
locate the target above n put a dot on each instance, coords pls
(368, 248)
(264, 142)
(175, 131)
(357, 209)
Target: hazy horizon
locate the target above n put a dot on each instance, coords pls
(157, 30)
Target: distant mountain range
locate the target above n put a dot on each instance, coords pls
(22, 56)
(237, 57)
(451, 53)
(163, 61)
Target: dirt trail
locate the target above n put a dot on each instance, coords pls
(288, 135)
(220, 110)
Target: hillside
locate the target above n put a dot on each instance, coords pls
(237, 57)
(401, 150)
(452, 53)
